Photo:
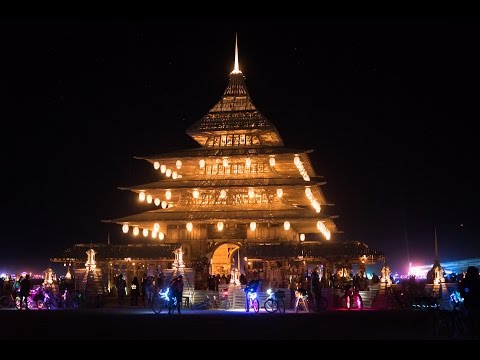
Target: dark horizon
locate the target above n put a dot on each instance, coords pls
(387, 107)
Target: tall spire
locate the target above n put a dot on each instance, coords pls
(236, 69)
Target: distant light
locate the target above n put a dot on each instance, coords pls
(157, 201)
(136, 231)
(156, 227)
(145, 232)
(248, 162)
(149, 198)
(163, 168)
(225, 162)
(164, 204)
(141, 196)
(302, 237)
(196, 194)
(156, 165)
(251, 193)
(271, 161)
(161, 235)
(125, 228)
(178, 164)
(220, 225)
(253, 225)
(279, 193)
(174, 175)
(286, 225)
(189, 226)
(168, 173)
(154, 234)
(201, 163)
(168, 194)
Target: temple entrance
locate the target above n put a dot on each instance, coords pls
(223, 258)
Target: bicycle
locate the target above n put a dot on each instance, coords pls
(224, 303)
(204, 305)
(302, 300)
(162, 300)
(351, 299)
(8, 301)
(251, 300)
(275, 301)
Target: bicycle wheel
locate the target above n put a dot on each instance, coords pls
(322, 303)
(5, 301)
(39, 304)
(53, 302)
(271, 305)
(158, 304)
(75, 302)
(255, 305)
(359, 302)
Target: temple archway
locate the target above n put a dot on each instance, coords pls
(223, 256)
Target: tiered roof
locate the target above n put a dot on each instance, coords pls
(234, 129)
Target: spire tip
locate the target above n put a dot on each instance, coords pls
(236, 69)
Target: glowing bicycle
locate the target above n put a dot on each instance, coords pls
(162, 300)
(275, 301)
(251, 300)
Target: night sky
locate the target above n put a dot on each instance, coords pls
(389, 107)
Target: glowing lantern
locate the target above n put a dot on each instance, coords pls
(168, 173)
(223, 194)
(125, 228)
(271, 161)
(145, 232)
(286, 225)
(302, 237)
(156, 227)
(141, 196)
(178, 164)
(201, 163)
(136, 230)
(220, 225)
(168, 194)
(149, 198)
(157, 201)
(248, 162)
(174, 175)
(251, 193)
(225, 162)
(279, 193)
(189, 226)
(196, 194)
(163, 168)
(164, 204)
(154, 234)
(156, 165)
(253, 225)
(161, 235)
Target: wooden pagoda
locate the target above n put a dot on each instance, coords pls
(241, 201)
